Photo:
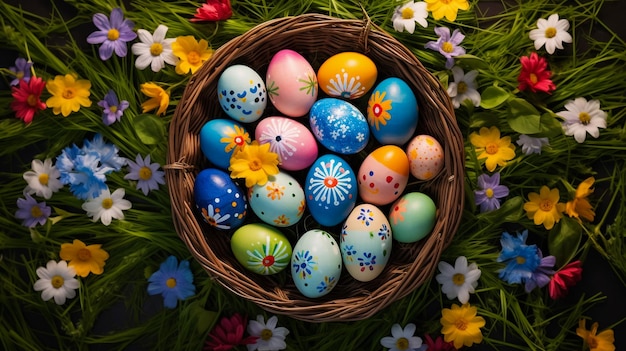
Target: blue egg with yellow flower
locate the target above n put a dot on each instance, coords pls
(219, 200)
(219, 138)
(392, 112)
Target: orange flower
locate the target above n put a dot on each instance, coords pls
(85, 259)
(580, 206)
(601, 342)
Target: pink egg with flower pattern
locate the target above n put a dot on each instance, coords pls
(426, 158)
(294, 143)
(291, 83)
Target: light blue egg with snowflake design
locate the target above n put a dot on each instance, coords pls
(330, 190)
(339, 126)
(316, 263)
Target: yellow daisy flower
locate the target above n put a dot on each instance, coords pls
(580, 206)
(84, 258)
(544, 208)
(461, 325)
(68, 94)
(159, 98)
(377, 109)
(191, 53)
(255, 163)
(446, 8)
(489, 145)
(600, 342)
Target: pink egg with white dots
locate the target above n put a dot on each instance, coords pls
(426, 158)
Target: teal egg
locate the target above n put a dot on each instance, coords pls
(392, 112)
(219, 138)
(412, 217)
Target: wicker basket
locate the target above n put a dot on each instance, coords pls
(316, 37)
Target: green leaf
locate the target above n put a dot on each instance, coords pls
(493, 97)
(510, 211)
(472, 61)
(204, 318)
(523, 117)
(483, 119)
(550, 126)
(564, 239)
(150, 129)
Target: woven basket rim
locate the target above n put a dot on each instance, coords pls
(183, 164)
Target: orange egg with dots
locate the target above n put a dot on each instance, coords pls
(383, 175)
(426, 158)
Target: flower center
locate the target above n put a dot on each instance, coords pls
(145, 173)
(520, 260)
(533, 78)
(239, 140)
(461, 88)
(107, 203)
(113, 34)
(19, 74)
(550, 32)
(446, 1)
(156, 49)
(407, 13)
(545, 205)
(592, 342)
(458, 279)
(584, 118)
(31, 100)
(402, 343)
(35, 212)
(57, 281)
(171, 282)
(84, 254)
(330, 182)
(492, 148)
(113, 109)
(43, 178)
(447, 47)
(268, 261)
(461, 324)
(255, 164)
(489, 192)
(68, 93)
(377, 110)
(266, 334)
(193, 57)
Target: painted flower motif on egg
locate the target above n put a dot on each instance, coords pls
(219, 200)
(220, 138)
(316, 263)
(347, 75)
(242, 93)
(425, 157)
(383, 175)
(290, 140)
(279, 202)
(261, 249)
(339, 126)
(392, 112)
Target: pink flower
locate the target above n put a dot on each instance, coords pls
(213, 10)
(228, 334)
(565, 278)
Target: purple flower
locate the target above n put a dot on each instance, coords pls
(32, 212)
(531, 145)
(489, 192)
(447, 45)
(541, 276)
(113, 34)
(21, 70)
(113, 108)
(147, 174)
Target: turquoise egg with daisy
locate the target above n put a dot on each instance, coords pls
(392, 112)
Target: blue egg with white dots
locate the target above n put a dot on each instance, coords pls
(339, 126)
(219, 200)
(242, 93)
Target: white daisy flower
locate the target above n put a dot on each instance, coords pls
(153, 50)
(107, 206)
(551, 32)
(405, 16)
(582, 117)
(43, 179)
(57, 281)
(531, 145)
(458, 281)
(464, 87)
(269, 336)
(402, 339)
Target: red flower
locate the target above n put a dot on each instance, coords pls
(213, 10)
(565, 278)
(535, 75)
(438, 344)
(26, 100)
(228, 334)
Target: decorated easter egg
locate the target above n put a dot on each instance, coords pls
(219, 138)
(330, 189)
(290, 140)
(365, 242)
(241, 93)
(261, 248)
(219, 200)
(347, 75)
(392, 112)
(339, 126)
(425, 157)
(412, 217)
(383, 175)
(279, 202)
(291, 83)
(315, 263)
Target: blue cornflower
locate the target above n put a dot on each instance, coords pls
(32, 212)
(521, 259)
(21, 70)
(106, 151)
(113, 108)
(490, 192)
(541, 276)
(173, 281)
(447, 45)
(113, 34)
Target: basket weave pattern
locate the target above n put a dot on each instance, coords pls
(316, 37)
